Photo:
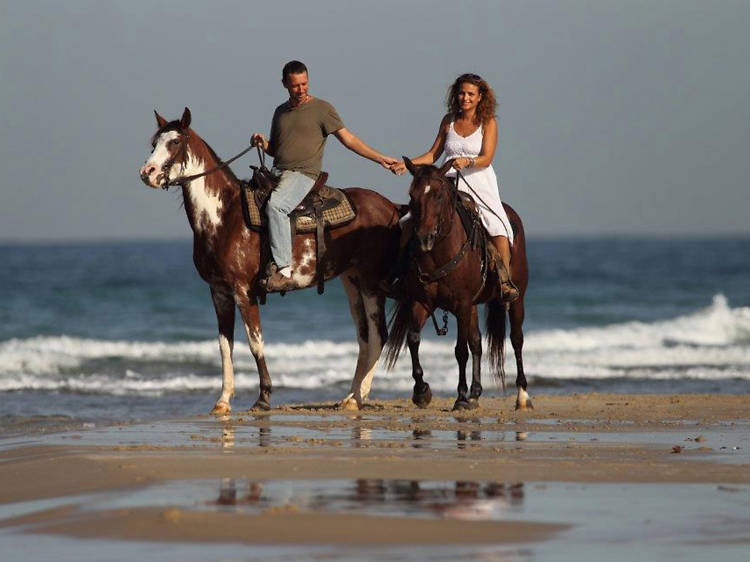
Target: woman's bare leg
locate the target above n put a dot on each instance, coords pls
(509, 291)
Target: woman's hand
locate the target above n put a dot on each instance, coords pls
(398, 168)
(460, 163)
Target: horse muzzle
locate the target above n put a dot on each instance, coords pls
(426, 241)
(151, 178)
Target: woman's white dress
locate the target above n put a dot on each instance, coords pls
(482, 180)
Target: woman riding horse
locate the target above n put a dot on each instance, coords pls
(468, 136)
(446, 270)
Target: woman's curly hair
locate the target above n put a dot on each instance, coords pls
(487, 105)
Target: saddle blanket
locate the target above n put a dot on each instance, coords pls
(337, 210)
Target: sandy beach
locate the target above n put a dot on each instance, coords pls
(455, 477)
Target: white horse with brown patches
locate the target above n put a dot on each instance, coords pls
(229, 257)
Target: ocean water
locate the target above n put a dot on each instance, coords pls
(126, 331)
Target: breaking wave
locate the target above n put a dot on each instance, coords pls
(710, 343)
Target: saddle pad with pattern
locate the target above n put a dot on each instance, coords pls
(337, 210)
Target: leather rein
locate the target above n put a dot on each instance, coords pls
(182, 180)
(445, 269)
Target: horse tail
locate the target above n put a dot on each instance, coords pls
(398, 327)
(495, 330)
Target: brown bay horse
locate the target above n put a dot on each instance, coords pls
(446, 271)
(229, 256)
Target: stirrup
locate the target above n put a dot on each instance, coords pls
(271, 268)
(278, 282)
(508, 292)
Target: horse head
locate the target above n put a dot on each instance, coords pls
(170, 150)
(431, 201)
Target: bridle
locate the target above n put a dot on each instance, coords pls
(181, 155)
(471, 227)
(446, 210)
(167, 166)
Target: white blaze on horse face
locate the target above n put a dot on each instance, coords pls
(160, 154)
(427, 189)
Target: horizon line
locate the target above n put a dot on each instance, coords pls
(72, 241)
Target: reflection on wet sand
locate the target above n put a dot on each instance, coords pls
(227, 436)
(228, 493)
(461, 499)
(421, 435)
(474, 434)
(360, 434)
(468, 433)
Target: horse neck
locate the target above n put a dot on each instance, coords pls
(209, 200)
(452, 238)
(451, 227)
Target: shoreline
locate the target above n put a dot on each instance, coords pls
(583, 439)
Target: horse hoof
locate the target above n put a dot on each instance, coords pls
(349, 404)
(422, 399)
(473, 403)
(221, 409)
(523, 401)
(261, 405)
(525, 406)
(461, 405)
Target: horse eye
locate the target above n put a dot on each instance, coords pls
(175, 141)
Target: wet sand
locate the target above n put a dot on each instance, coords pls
(389, 475)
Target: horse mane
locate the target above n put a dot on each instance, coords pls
(215, 156)
(175, 126)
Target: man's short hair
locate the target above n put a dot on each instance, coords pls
(293, 67)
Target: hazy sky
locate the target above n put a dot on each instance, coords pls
(616, 116)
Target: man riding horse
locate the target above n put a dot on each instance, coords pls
(299, 129)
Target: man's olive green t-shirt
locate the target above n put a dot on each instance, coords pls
(298, 135)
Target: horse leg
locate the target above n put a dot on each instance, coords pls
(422, 394)
(475, 345)
(224, 308)
(251, 319)
(377, 332)
(516, 314)
(368, 313)
(462, 356)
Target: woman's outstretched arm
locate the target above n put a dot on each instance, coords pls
(431, 156)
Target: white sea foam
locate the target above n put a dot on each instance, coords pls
(711, 343)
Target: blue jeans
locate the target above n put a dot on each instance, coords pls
(293, 186)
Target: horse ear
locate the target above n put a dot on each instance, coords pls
(160, 121)
(447, 166)
(409, 165)
(185, 119)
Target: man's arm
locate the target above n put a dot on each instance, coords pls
(355, 144)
